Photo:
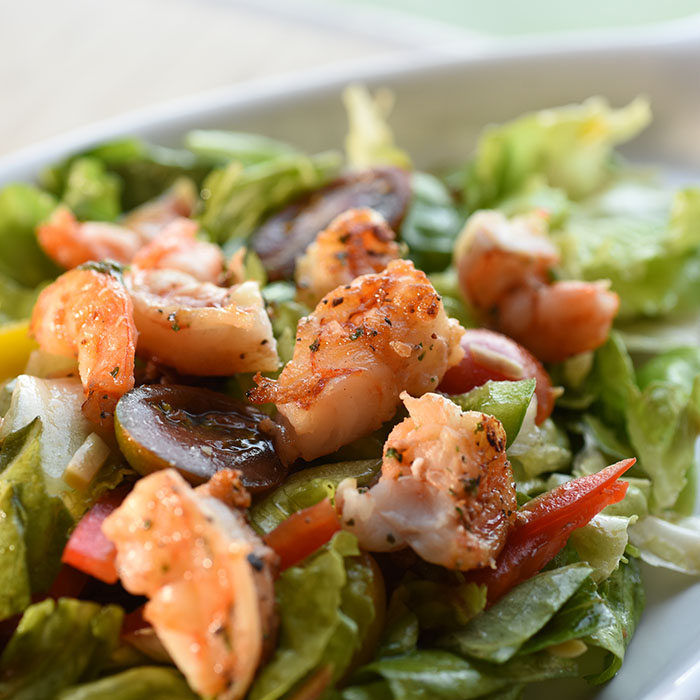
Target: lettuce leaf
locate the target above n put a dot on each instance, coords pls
(325, 608)
(672, 544)
(307, 487)
(221, 147)
(498, 633)
(22, 209)
(16, 301)
(623, 594)
(645, 242)
(602, 543)
(91, 192)
(57, 644)
(144, 170)
(569, 148)
(370, 141)
(431, 224)
(438, 675)
(143, 683)
(582, 615)
(35, 528)
(507, 401)
(238, 197)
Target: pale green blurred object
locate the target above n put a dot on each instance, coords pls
(507, 18)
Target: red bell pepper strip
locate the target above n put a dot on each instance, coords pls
(88, 549)
(544, 524)
(303, 532)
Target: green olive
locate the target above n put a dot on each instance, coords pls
(198, 432)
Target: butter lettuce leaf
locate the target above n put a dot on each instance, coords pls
(669, 543)
(498, 633)
(22, 209)
(143, 683)
(370, 141)
(35, 529)
(91, 192)
(238, 197)
(325, 608)
(57, 644)
(568, 148)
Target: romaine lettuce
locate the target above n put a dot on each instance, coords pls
(91, 192)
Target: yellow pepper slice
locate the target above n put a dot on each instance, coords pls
(15, 346)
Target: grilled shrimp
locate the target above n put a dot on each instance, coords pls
(503, 269)
(208, 577)
(87, 314)
(446, 488)
(355, 243)
(71, 243)
(199, 328)
(362, 346)
(149, 219)
(176, 247)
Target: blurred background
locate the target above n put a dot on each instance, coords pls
(67, 63)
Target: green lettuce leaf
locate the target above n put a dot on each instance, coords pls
(35, 528)
(569, 148)
(307, 487)
(439, 675)
(644, 242)
(370, 141)
(57, 644)
(91, 192)
(507, 401)
(16, 301)
(325, 608)
(582, 615)
(221, 147)
(623, 594)
(22, 209)
(238, 197)
(498, 633)
(144, 170)
(431, 224)
(602, 542)
(672, 544)
(144, 683)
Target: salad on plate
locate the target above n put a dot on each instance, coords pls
(325, 426)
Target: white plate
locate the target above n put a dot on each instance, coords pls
(442, 103)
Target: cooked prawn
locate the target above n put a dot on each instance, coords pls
(208, 577)
(177, 247)
(87, 314)
(446, 488)
(149, 219)
(199, 328)
(504, 269)
(71, 243)
(357, 242)
(363, 345)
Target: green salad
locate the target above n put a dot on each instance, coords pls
(325, 426)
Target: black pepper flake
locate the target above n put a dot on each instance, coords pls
(256, 562)
(350, 523)
(315, 345)
(357, 333)
(387, 320)
(337, 301)
(390, 539)
(263, 342)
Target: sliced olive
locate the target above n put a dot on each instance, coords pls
(198, 432)
(286, 235)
